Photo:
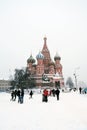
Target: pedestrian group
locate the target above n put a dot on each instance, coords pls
(20, 94)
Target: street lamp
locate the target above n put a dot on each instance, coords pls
(75, 75)
(75, 79)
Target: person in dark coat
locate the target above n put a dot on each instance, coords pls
(12, 96)
(18, 94)
(31, 93)
(22, 95)
(53, 92)
(57, 93)
(15, 94)
(80, 90)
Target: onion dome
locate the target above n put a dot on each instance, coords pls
(40, 56)
(57, 57)
(31, 59)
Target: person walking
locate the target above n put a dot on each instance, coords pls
(57, 93)
(18, 94)
(12, 96)
(22, 96)
(31, 93)
(15, 94)
(45, 95)
(80, 90)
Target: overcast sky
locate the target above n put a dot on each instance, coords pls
(24, 23)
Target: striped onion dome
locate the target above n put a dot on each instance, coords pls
(40, 56)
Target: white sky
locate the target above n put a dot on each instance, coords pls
(24, 23)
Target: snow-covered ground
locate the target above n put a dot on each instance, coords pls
(69, 113)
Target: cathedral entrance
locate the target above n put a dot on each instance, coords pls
(57, 84)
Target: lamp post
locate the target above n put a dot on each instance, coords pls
(75, 80)
(75, 76)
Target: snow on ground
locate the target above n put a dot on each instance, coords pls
(69, 113)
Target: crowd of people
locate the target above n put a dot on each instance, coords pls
(18, 94)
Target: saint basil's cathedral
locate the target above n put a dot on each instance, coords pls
(46, 72)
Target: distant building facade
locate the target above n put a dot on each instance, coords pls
(46, 72)
(4, 85)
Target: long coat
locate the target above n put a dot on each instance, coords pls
(57, 93)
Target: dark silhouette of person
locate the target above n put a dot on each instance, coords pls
(18, 94)
(57, 93)
(53, 92)
(22, 96)
(15, 94)
(80, 90)
(12, 96)
(31, 93)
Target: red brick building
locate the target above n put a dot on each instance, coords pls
(46, 72)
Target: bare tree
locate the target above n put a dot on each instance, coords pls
(69, 82)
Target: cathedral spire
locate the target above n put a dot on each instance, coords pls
(45, 40)
(45, 44)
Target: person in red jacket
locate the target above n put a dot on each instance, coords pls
(45, 95)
